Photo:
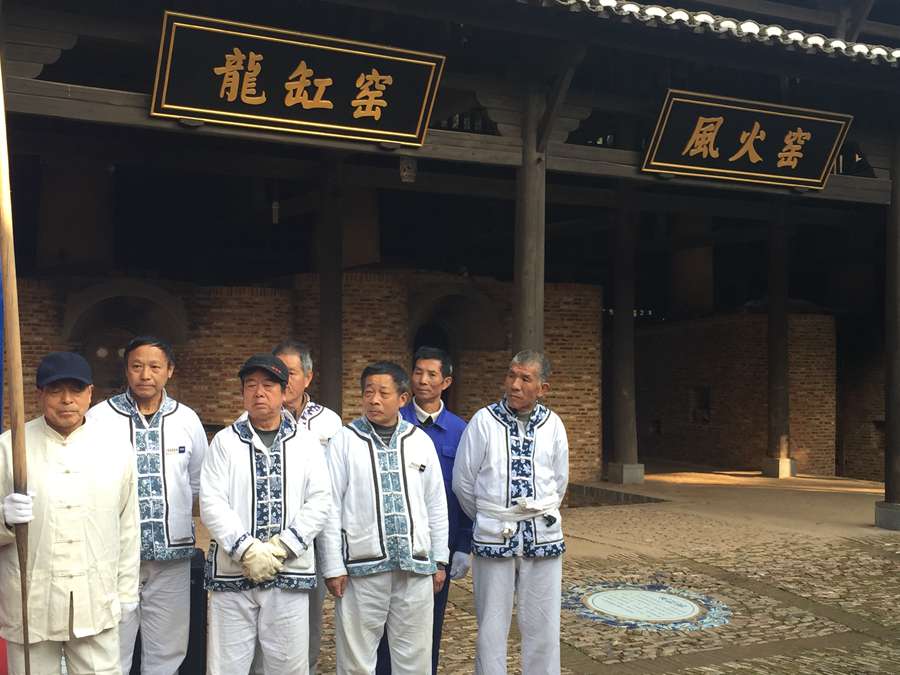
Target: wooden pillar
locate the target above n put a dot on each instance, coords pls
(777, 463)
(528, 266)
(887, 513)
(331, 288)
(625, 469)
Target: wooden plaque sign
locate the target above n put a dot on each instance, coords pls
(224, 72)
(708, 136)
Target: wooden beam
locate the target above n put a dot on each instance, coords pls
(859, 14)
(106, 28)
(89, 104)
(558, 95)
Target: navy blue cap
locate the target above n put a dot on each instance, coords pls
(268, 363)
(58, 366)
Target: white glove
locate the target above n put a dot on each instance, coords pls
(279, 549)
(128, 608)
(460, 564)
(18, 508)
(259, 563)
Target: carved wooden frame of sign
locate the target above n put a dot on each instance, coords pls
(224, 72)
(721, 138)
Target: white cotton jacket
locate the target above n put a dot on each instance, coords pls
(322, 422)
(364, 481)
(83, 555)
(502, 484)
(250, 491)
(168, 451)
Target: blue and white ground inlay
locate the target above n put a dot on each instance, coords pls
(646, 606)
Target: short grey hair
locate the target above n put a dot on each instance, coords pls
(295, 348)
(530, 357)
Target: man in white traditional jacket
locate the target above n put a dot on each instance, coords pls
(510, 475)
(167, 444)
(324, 424)
(83, 553)
(264, 496)
(385, 543)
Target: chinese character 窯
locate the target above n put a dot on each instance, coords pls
(792, 153)
(370, 98)
(231, 78)
(297, 84)
(748, 138)
(703, 140)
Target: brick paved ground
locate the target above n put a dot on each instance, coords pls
(812, 587)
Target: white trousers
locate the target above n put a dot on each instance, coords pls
(316, 603)
(401, 603)
(535, 586)
(277, 618)
(163, 616)
(92, 655)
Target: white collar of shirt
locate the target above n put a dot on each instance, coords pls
(58, 437)
(421, 415)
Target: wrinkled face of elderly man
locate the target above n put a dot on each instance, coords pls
(524, 385)
(64, 404)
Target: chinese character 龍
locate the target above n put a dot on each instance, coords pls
(233, 84)
(370, 98)
(792, 153)
(748, 138)
(297, 85)
(703, 140)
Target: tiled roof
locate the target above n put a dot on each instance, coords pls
(746, 30)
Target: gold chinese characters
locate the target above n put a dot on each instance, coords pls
(704, 142)
(240, 73)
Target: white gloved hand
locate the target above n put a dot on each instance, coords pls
(279, 549)
(18, 508)
(460, 564)
(259, 563)
(128, 608)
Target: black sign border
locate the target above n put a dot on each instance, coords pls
(688, 170)
(171, 20)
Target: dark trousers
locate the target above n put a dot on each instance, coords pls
(440, 605)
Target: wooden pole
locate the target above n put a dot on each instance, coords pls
(892, 341)
(624, 414)
(331, 287)
(778, 358)
(528, 265)
(14, 361)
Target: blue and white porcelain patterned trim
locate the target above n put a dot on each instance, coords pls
(147, 441)
(521, 484)
(288, 582)
(268, 480)
(394, 515)
(714, 613)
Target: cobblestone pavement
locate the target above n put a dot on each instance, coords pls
(801, 604)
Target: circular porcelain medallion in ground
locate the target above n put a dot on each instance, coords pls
(649, 606)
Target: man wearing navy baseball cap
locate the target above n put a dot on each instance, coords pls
(83, 545)
(265, 493)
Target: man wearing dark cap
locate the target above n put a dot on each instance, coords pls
(167, 442)
(83, 540)
(264, 496)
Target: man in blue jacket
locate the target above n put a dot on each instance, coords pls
(432, 375)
